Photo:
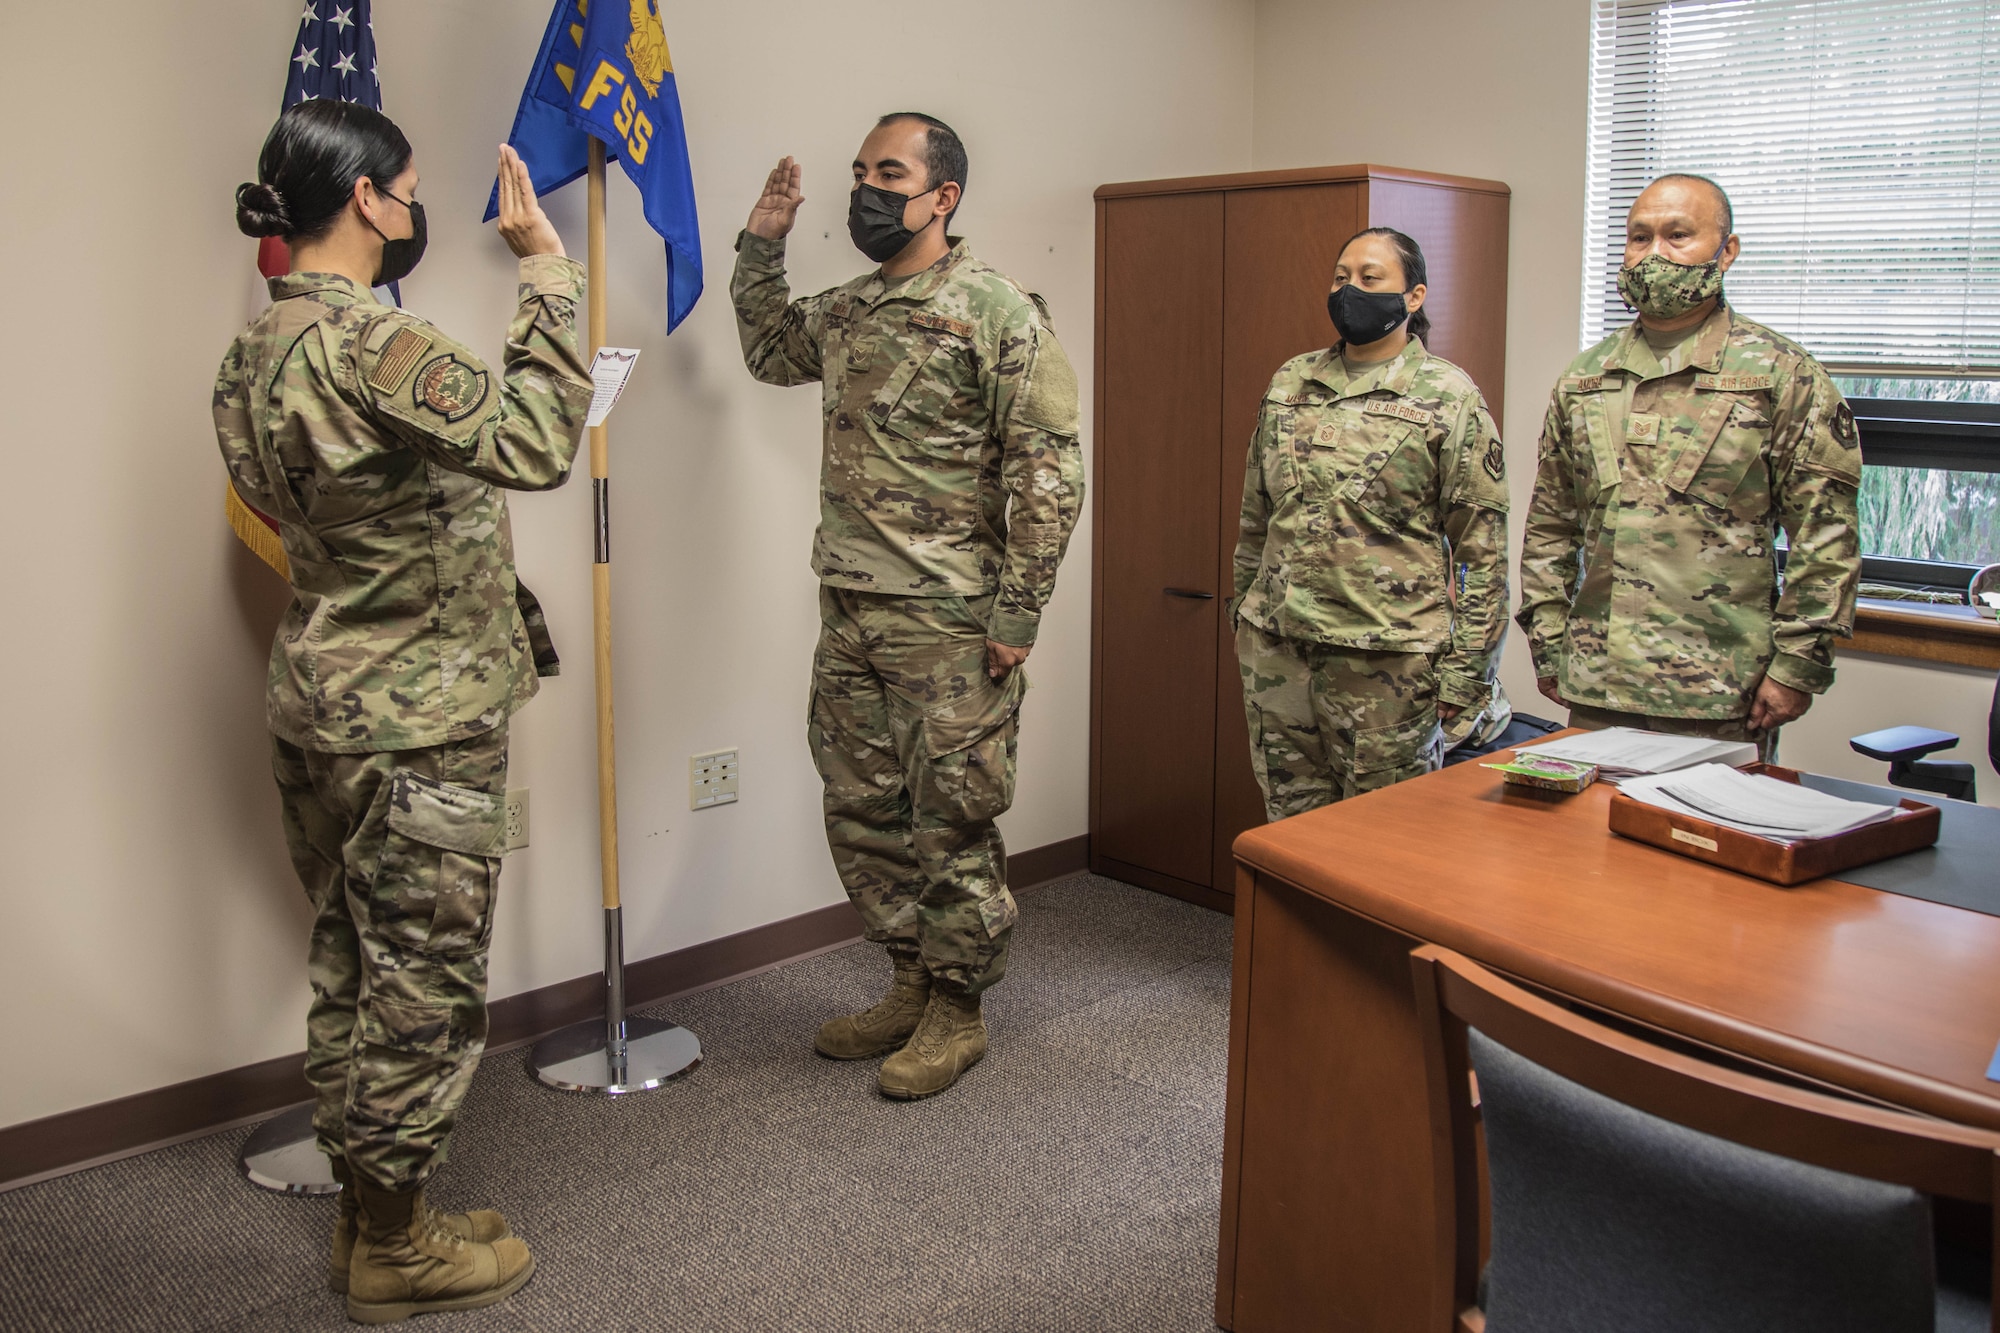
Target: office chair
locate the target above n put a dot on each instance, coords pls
(1638, 1190)
(1904, 748)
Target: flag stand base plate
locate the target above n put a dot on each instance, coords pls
(580, 1059)
(282, 1155)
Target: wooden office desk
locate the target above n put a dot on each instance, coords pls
(1326, 1186)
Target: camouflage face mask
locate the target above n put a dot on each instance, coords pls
(1659, 287)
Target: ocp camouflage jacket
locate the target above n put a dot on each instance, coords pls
(1649, 571)
(1375, 514)
(950, 462)
(378, 444)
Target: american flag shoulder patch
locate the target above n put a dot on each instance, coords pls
(399, 356)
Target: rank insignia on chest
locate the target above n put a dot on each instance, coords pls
(1402, 411)
(1326, 434)
(1642, 427)
(450, 388)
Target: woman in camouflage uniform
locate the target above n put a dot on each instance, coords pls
(382, 448)
(1371, 569)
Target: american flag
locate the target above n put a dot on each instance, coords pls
(334, 57)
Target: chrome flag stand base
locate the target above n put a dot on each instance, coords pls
(283, 1155)
(620, 1054)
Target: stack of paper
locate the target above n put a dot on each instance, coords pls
(1767, 807)
(1625, 752)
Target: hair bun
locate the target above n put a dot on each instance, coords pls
(260, 210)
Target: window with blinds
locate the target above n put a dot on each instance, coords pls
(1859, 141)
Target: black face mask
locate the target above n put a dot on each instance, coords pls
(875, 221)
(400, 256)
(1365, 317)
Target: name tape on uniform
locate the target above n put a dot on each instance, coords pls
(608, 373)
(1404, 411)
(1735, 383)
(924, 319)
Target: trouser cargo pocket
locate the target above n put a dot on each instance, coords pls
(968, 751)
(1405, 749)
(440, 864)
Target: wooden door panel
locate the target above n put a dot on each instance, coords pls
(1160, 400)
(1280, 246)
(1464, 238)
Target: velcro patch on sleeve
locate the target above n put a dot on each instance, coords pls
(1583, 384)
(1049, 400)
(924, 319)
(398, 358)
(1380, 407)
(450, 388)
(1735, 383)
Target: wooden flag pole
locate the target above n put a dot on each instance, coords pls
(622, 1054)
(600, 569)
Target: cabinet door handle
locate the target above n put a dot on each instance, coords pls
(1190, 594)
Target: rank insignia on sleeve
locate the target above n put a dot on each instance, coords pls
(450, 388)
(1843, 425)
(1495, 462)
(399, 357)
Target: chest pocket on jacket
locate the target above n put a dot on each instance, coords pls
(1367, 455)
(1594, 461)
(914, 401)
(1722, 463)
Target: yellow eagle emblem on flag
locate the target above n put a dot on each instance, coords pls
(646, 48)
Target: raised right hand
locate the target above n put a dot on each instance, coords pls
(778, 207)
(523, 225)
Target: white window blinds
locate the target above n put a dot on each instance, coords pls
(1860, 143)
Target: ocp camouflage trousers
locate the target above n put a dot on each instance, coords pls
(399, 852)
(916, 747)
(1329, 723)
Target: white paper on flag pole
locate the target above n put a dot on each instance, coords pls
(608, 374)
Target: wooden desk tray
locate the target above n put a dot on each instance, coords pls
(1778, 862)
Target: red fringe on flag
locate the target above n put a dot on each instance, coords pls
(274, 257)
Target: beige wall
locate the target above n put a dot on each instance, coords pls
(150, 927)
(1476, 88)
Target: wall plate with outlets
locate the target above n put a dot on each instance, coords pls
(517, 818)
(711, 779)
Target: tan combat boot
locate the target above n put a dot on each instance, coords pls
(407, 1262)
(948, 1042)
(482, 1224)
(888, 1025)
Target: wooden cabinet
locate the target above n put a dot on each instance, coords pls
(1205, 286)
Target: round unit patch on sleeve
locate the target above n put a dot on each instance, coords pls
(449, 387)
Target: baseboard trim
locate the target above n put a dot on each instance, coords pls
(90, 1136)
(1173, 886)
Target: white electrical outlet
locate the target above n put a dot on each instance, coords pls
(711, 779)
(516, 809)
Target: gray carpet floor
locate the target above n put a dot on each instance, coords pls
(1070, 1181)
